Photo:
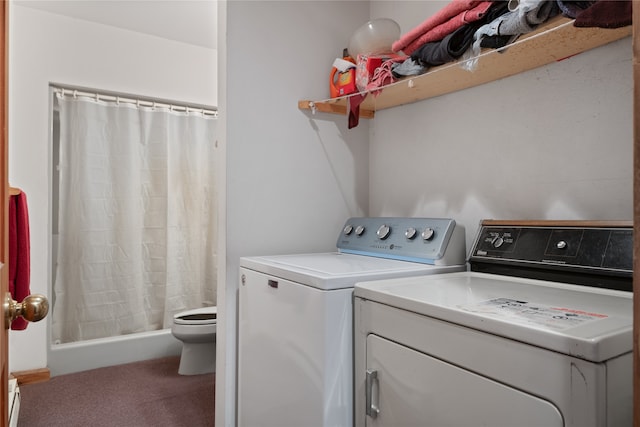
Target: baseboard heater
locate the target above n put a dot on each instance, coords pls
(14, 402)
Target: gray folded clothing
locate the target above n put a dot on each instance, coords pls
(521, 21)
(407, 68)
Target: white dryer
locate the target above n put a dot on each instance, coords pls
(295, 325)
(538, 333)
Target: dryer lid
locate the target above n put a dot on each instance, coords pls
(589, 323)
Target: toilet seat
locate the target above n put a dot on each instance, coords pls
(198, 316)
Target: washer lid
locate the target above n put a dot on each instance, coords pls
(336, 270)
(589, 323)
(198, 316)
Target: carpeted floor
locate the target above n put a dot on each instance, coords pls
(149, 393)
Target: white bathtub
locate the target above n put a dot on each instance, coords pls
(91, 354)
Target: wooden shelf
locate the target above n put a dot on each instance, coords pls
(554, 41)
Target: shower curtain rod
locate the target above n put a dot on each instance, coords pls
(139, 102)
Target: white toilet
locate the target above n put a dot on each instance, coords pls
(197, 331)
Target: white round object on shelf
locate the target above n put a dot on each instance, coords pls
(374, 37)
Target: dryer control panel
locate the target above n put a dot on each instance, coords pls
(570, 247)
(426, 240)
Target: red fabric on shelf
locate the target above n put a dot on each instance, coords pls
(19, 253)
(452, 9)
(353, 110)
(606, 14)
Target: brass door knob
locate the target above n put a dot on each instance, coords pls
(33, 308)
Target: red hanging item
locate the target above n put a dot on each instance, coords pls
(19, 253)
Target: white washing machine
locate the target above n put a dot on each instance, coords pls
(295, 325)
(537, 333)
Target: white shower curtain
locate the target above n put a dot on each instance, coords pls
(137, 218)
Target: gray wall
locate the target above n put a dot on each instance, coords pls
(552, 143)
(292, 178)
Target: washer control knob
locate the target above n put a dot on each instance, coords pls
(383, 232)
(561, 244)
(410, 233)
(360, 230)
(348, 229)
(428, 233)
(497, 241)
